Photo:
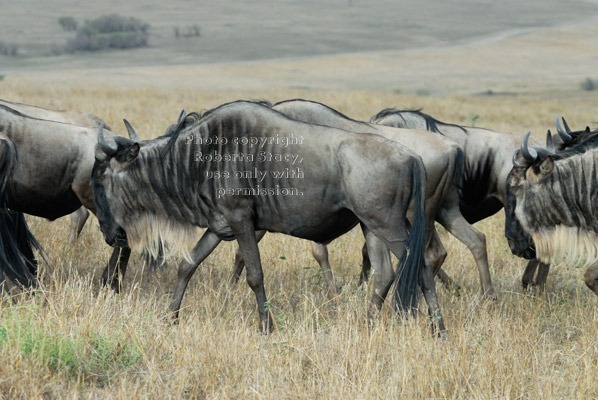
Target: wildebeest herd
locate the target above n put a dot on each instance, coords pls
(302, 168)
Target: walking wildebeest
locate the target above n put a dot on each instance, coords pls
(442, 160)
(79, 217)
(488, 160)
(552, 206)
(229, 172)
(47, 174)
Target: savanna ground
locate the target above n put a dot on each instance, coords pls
(74, 339)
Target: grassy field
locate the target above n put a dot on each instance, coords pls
(73, 339)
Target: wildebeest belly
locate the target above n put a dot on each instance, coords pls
(49, 203)
(318, 226)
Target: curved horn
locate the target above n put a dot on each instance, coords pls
(132, 132)
(564, 135)
(567, 129)
(529, 155)
(106, 148)
(180, 121)
(549, 142)
(182, 116)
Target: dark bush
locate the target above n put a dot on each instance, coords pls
(110, 31)
(589, 84)
(68, 23)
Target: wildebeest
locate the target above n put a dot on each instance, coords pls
(79, 217)
(229, 172)
(442, 160)
(552, 206)
(47, 174)
(488, 160)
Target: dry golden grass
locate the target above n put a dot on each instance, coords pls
(76, 340)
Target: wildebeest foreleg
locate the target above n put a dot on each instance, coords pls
(320, 253)
(527, 280)
(116, 268)
(591, 278)
(542, 275)
(78, 219)
(245, 235)
(453, 221)
(240, 263)
(202, 249)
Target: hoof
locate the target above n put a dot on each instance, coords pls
(490, 295)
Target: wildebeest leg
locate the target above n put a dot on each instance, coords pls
(591, 278)
(2, 284)
(78, 219)
(245, 235)
(116, 268)
(527, 280)
(366, 265)
(435, 256)
(428, 287)
(383, 272)
(448, 282)
(543, 270)
(202, 249)
(320, 253)
(435, 252)
(451, 218)
(240, 263)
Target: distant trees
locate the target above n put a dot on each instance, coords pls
(8, 49)
(187, 31)
(108, 31)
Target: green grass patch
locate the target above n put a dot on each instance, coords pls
(90, 357)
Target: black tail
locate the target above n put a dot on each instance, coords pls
(411, 263)
(17, 260)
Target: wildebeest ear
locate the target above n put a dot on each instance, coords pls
(545, 168)
(129, 153)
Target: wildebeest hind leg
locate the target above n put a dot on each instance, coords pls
(428, 287)
(320, 253)
(591, 278)
(202, 249)
(116, 268)
(366, 265)
(435, 256)
(451, 218)
(240, 263)
(448, 282)
(383, 272)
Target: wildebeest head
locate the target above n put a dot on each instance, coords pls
(530, 167)
(109, 159)
(131, 184)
